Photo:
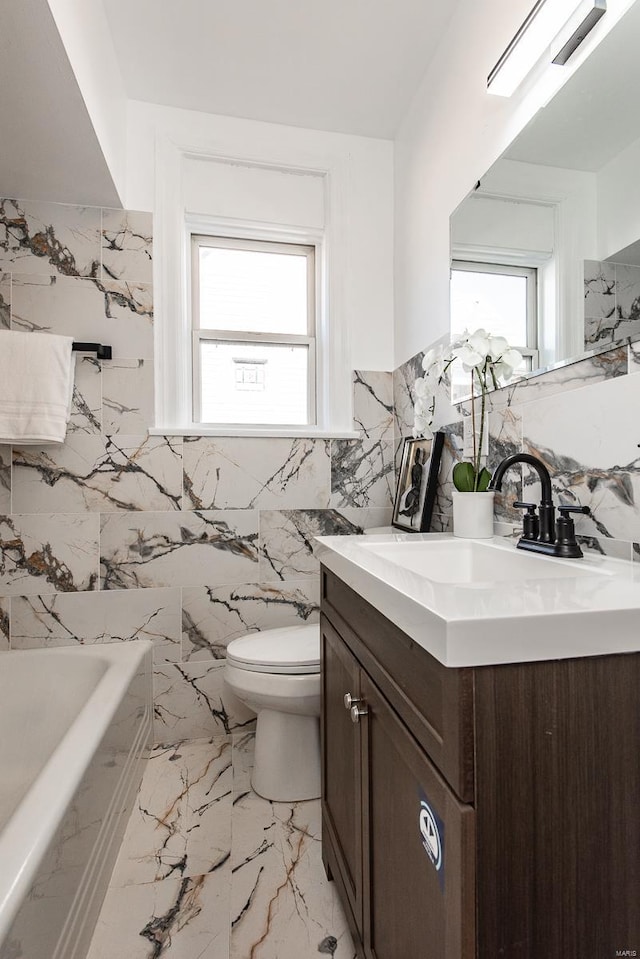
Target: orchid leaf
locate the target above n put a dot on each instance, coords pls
(464, 477)
(483, 480)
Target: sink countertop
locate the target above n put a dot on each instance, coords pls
(594, 612)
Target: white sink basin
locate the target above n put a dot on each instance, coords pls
(480, 602)
(460, 561)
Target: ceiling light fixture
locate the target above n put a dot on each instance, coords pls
(568, 23)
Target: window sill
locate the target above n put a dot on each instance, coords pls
(304, 431)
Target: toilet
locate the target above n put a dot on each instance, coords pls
(276, 673)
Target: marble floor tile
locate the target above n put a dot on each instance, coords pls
(263, 893)
(175, 919)
(181, 823)
(282, 906)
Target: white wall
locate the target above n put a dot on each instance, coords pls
(619, 202)
(362, 172)
(85, 33)
(452, 133)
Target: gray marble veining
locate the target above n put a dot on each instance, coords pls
(213, 616)
(68, 619)
(250, 473)
(179, 549)
(42, 553)
(49, 238)
(127, 396)
(87, 396)
(261, 891)
(598, 467)
(372, 401)
(362, 471)
(191, 701)
(95, 472)
(5, 301)
(127, 245)
(287, 538)
(5, 622)
(116, 312)
(5, 480)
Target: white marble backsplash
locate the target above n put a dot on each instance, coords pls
(575, 418)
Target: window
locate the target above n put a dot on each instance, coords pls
(254, 356)
(500, 298)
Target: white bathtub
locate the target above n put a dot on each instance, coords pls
(74, 727)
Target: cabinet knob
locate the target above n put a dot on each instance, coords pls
(350, 701)
(357, 712)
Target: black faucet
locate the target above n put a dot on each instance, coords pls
(539, 534)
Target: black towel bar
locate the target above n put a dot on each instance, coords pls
(102, 352)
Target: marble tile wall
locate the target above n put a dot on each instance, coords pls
(577, 419)
(187, 541)
(611, 303)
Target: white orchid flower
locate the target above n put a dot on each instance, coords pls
(480, 342)
(421, 387)
(497, 346)
(422, 427)
(434, 362)
(508, 362)
(421, 405)
(469, 357)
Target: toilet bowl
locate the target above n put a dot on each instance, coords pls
(276, 673)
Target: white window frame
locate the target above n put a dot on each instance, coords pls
(529, 350)
(173, 225)
(200, 334)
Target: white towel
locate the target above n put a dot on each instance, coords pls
(36, 387)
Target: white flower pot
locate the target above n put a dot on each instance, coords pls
(473, 515)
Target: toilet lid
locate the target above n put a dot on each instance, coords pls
(294, 649)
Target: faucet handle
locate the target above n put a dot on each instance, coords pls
(566, 544)
(530, 522)
(565, 510)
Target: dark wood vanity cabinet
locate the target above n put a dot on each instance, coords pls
(477, 813)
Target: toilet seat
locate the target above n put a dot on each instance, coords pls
(291, 650)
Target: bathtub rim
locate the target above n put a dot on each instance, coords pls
(26, 837)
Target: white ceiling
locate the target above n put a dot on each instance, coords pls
(49, 147)
(595, 115)
(351, 66)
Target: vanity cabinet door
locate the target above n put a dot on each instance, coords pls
(419, 847)
(341, 771)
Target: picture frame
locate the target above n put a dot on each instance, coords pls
(417, 484)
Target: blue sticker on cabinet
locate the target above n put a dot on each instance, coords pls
(432, 835)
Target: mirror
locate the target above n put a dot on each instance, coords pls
(546, 249)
